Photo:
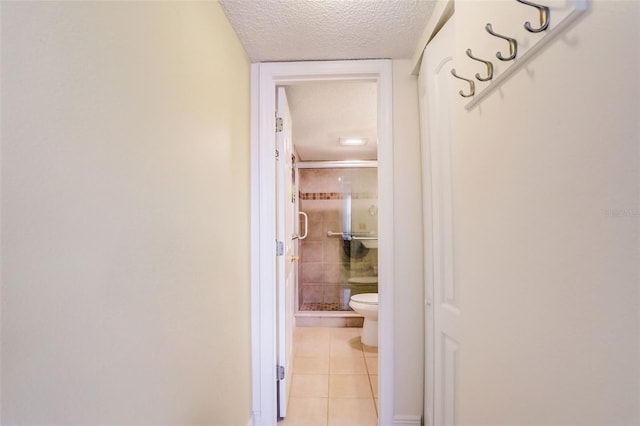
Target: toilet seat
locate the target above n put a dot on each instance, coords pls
(366, 298)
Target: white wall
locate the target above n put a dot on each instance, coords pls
(546, 181)
(125, 215)
(408, 283)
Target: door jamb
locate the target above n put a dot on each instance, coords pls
(264, 79)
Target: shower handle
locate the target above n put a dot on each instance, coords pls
(306, 225)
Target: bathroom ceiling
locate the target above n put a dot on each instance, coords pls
(324, 112)
(300, 30)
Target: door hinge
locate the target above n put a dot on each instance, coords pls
(279, 248)
(280, 372)
(279, 124)
(277, 154)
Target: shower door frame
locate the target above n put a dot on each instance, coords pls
(265, 77)
(333, 164)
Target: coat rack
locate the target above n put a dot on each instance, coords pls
(548, 28)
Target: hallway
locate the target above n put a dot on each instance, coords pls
(335, 379)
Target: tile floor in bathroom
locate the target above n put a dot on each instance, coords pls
(335, 379)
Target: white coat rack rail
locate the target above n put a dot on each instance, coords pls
(549, 29)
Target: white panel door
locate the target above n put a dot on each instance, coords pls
(442, 309)
(287, 261)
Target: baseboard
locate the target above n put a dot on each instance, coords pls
(407, 421)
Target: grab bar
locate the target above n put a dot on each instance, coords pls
(334, 234)
(353, 236)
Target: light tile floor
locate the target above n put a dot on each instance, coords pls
(335, 379)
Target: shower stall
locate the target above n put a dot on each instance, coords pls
(338, 203)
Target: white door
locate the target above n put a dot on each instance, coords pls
(442, 309)
(286, 262)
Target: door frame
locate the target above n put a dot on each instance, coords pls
(264, 79)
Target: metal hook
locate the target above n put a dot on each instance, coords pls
(487, 63)
(472, 84)
(545, 17)
(513, 44)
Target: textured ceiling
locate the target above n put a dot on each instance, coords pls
(300, 30)
(297, 30)
(323, 112)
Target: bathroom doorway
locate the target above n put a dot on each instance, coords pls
(266, 77)
(334, 128)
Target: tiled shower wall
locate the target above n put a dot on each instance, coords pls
(324, 266)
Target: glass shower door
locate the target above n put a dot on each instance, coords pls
(339, 257)
(360, 233)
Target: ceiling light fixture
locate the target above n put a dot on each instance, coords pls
(352, 141)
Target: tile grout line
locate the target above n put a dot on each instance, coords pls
(328, 402)
(373, 398)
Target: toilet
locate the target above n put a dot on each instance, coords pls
(366, 304)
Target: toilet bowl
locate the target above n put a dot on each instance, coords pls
(366, 304)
